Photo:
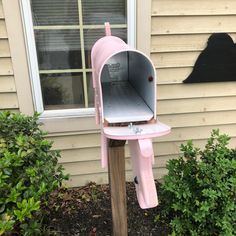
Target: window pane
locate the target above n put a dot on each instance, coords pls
(62, 91)
(92, 35)
(90, 90)
(58, 49)
(97, 12)
(55, 12)
(58, 30)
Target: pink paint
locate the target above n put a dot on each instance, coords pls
(142, 157)
(124, 82)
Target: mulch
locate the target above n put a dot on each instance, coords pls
(86, 211)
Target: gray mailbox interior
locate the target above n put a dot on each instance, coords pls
(128, 87)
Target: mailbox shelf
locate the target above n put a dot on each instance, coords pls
(123, 104)
(129, 133)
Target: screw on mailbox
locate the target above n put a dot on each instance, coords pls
(137, 130)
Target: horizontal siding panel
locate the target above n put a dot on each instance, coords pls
(173, 147)
(195, 90)
(8, 101)
(77, 146)
(7, 84)
(81, 154)
(181, 43)
(195, 7)
(178, 43)
(69, 142)
(93, 154)
(69, 124)
(199, 119)
(192, 24)
(160, 149)
(174, 59)
(84, 168)
(3, 30)
(80, 172)
(196, 105)
(90, 167)
(4, 48)
(13, 110)
(102, 178)
(1, 10)
(201, 132)
(81, 180)
(76, 141)
(172, 75)
(6, 66)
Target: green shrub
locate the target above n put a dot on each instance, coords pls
(199, 192)
(28, 173)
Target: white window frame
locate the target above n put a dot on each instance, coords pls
(33, 61)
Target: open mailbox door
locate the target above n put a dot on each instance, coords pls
(124, 81)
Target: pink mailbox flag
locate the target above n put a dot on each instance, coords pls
(124, 82)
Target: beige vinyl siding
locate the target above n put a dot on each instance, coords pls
(1, 11)
(202, 7)
(192, 105)
(6, 66)
(181, 43)
(3, 30)
(103, 177)
(162, 25)
(77, 137)
(4, 48)
(81, 152)
(8, 97)
(180, 30)
(83, 161)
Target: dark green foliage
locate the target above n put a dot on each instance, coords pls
(199, 192)
(28, 173)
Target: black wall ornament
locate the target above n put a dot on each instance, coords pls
(217, 62)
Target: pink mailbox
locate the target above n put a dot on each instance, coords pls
(124, 81)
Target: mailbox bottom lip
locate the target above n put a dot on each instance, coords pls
(127, 133)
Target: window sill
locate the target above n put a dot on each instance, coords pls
(84, 112)
(55, 122)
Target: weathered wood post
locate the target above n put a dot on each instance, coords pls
(116, 172)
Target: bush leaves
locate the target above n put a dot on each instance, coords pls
(199, 192)
(29, 172)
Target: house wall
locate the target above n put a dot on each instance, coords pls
(179, 31)
(79, 142)
(8, 96)
(77, 138)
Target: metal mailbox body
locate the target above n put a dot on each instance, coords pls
(124, 80)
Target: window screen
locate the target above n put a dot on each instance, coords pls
(65, 31)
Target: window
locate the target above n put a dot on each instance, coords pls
(60, 35)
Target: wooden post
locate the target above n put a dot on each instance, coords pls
(116, 171)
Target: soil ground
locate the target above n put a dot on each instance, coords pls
(86, 211)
